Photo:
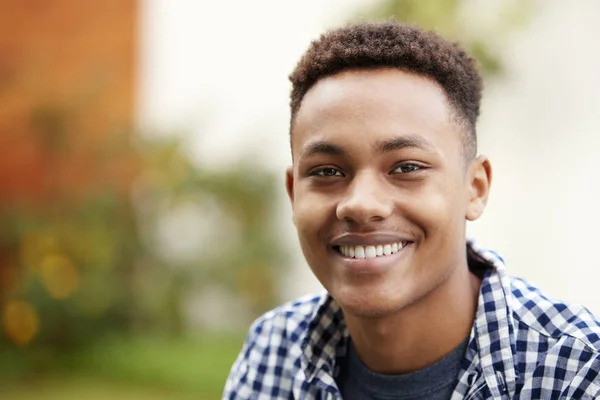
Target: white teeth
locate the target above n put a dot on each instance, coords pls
(370, 251)
(387, 249)
(359, 252)
(380, 250)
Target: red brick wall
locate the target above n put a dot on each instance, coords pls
(67, 84)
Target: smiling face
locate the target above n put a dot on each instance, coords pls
(380, 188)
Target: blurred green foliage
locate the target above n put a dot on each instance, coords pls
(87, 262)
(237, 249)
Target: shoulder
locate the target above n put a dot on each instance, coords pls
(272, 348)
(553, 318)
(285, 325)
(289, 316)
(557, 344)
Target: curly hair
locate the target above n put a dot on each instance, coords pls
(396, 45)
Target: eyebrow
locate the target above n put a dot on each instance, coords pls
(385, 146)
(410, 141)
(321, 147)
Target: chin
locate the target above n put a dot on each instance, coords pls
(370, 306)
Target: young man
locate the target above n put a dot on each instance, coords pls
(384, 177)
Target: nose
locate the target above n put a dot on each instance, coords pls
(365, 200)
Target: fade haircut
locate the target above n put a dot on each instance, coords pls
(395, 45)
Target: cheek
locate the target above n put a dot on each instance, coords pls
(312, 220)
(311, 214)
(436, 209)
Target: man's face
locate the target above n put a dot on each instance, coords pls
(379, 188)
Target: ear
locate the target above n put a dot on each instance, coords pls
(289, 186)
(289, 183)
(479, 179)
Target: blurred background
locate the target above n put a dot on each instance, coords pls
(143, 218)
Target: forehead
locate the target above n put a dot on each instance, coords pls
(360, 106)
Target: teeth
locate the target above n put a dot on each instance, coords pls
(387, 249)
(370, 251)
(381, 250)
(359, 252)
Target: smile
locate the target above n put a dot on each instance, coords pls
(371, 251)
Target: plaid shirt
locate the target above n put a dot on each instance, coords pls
(522, 345)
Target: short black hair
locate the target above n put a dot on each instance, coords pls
(397, 45)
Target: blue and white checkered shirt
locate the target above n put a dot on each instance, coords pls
(522, 345)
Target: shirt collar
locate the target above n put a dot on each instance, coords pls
(492, 334)
(325, 342)
(494, 329)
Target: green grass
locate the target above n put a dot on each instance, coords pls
(90, 388)
(135, 368)
(192, 365)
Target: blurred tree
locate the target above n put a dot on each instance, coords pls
(205, 229)
(85, 267)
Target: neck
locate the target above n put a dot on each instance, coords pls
(422, 333)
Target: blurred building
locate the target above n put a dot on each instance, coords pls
(67, 82)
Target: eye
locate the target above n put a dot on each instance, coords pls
(405, 168)
(326, 172)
